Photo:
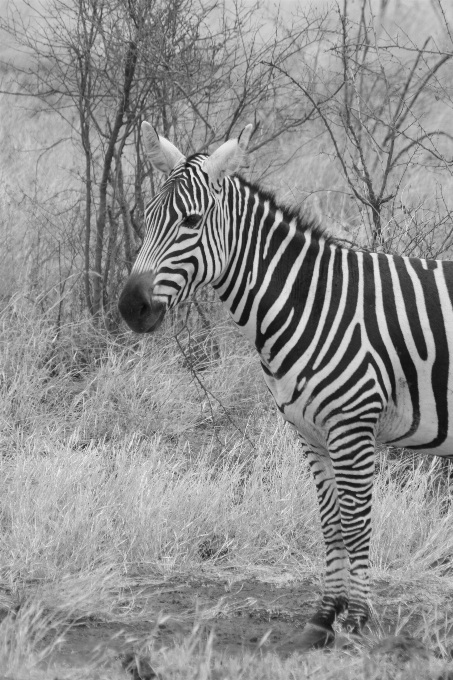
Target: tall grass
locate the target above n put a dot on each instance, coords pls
(125, 458)
(133, 502)
(118, 460)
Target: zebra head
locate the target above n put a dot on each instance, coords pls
(186, 241)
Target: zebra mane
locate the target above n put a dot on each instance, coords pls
(304, 222)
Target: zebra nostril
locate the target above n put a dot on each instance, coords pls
(143, 310)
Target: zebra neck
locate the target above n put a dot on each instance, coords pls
(274, 257)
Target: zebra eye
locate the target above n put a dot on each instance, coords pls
(191, 221)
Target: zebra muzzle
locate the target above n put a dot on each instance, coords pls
(141, 311)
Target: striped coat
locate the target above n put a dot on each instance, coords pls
(355, 347)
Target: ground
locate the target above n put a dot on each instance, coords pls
(259, 616)
(240, 613)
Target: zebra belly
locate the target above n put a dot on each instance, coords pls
(425, 439)
(417, 337)
(390, 429)
(421, 416)
(431, 429)
(425, 429)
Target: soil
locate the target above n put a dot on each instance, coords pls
(239, 613)
(246, 614)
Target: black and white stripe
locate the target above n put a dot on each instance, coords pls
(355, 346)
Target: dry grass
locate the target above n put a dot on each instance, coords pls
(114, 460)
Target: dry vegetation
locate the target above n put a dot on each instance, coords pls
(117, 466)
(130, 461)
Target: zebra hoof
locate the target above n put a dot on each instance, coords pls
(315, 636)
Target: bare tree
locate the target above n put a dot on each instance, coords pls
(375, 98)
(192, 67)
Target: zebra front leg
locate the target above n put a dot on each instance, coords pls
(354, 472)
(318, 632)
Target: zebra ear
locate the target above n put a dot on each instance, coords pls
(228, 158)
(163, 154)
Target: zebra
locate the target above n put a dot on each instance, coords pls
(354, 346)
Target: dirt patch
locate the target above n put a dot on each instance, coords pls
(239, 613)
